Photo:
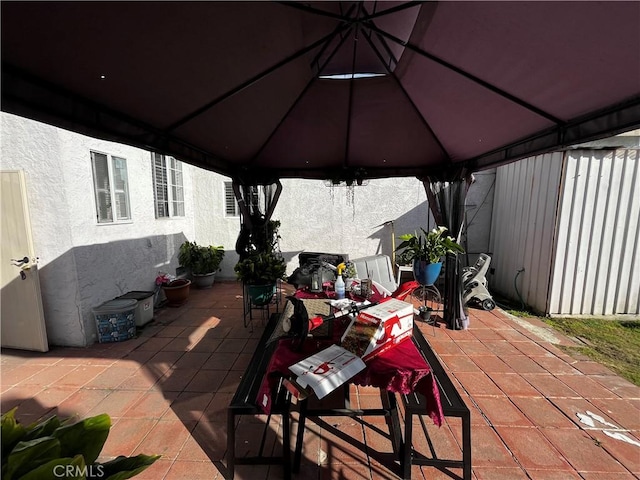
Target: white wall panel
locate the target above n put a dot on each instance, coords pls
(522, 229)
(597, 266)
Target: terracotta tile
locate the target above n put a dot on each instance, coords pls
(607, 476)
(460, 363)
(445, 347)
(206, 344)
(531, 448)
(620, 410)
(473, 347)
(531, 349)
(221, 361)
(549, 386)
(344, 442)
(43, 376)
(110, 377)
(542, 412)
(175, 380)
(490, 364)
(501, 347)
(216, 411)
(485, 334)
(152, 404)
(156, 471)
(206, 381)
(141, 379)
(117, 403)
(585, 386)
(574, 406)
(592, 368)
(628, 454)
(618, 385)
(80, 376)
(233, 345)
(170, 331)
(178, 345)
(135, 359)
(81, 402)
(15, 396)
(126, 434)
(512, 335)
(581, 451)
(477, 383)
(488, 450)
(165, 438)
(189, 470)
(512, 384)
(211, 438)
(552, 475)
(555, 365)
(154, 344)
(500, 411)
(522, 364)
(192, 360)
(488, 473)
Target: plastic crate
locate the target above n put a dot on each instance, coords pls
(115, 320)
(144, 309)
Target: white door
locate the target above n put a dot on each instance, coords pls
(22, 319)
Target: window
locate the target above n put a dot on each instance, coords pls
(168, 191)
(111, 187)
(231, 205)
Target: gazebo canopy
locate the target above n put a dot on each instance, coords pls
(340, 90)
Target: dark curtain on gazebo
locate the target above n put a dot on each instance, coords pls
(447, 203)
(256, 204)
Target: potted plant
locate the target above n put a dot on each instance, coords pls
(260, 272)
(176, 291)
(202, 262)
(61, 448)
(425, 251)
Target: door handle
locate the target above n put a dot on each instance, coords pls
(21, 262)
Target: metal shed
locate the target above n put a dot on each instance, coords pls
(566, 232)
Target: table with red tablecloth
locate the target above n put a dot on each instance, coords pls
(401, 369)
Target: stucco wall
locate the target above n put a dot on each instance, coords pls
(83, 263)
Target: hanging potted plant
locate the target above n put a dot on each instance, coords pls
(260, 272)
(425, 251)
(202, 262)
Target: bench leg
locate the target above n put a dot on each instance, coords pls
(286, 444)
(231, 444)
(466, 446)
(300, 437)
(407, 446)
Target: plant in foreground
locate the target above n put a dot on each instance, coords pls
(54, 448)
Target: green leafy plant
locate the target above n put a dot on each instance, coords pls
(261, 268)
(200, 260)
(430, 246)
(56, 448)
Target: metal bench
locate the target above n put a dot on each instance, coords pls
(244, 402)
(452, 406)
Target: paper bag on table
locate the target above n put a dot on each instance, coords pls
(327, 370)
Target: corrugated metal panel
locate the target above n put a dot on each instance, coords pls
(597, 264)
(522, 229)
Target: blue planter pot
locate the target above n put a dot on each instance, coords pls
(261, 294)
(426, 273)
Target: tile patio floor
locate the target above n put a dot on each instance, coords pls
(167, 391)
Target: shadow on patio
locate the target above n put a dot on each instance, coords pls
(537, 413)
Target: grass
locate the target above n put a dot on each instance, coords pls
(613, 343)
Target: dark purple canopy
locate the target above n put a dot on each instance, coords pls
(240, 87)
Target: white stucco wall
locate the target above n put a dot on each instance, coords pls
(83, 263)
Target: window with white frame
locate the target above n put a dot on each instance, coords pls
(111, 188)
(231, 208)
(168, 189)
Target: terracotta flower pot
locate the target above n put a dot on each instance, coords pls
(177, 292)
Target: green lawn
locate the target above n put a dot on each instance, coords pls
(614, 343)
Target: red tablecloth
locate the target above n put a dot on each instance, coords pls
(401, 370)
